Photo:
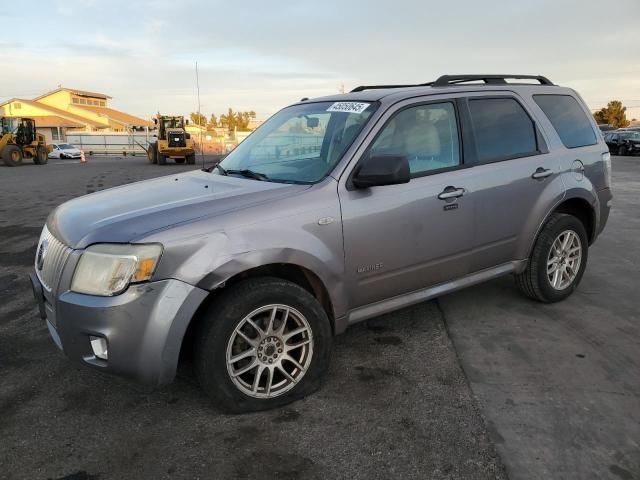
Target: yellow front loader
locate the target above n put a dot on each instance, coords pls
(172, 142)
(19, 139)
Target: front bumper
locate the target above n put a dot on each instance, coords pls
(144, 326)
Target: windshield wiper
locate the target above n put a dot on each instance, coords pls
(213, 167)
(248, 173)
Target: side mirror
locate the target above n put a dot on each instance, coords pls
(378, 170)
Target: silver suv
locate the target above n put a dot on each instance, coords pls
(336, 210)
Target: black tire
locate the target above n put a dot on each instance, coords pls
(152, 154)
(12, 155)
(534, 281)
(160, 158)
(191, 159)
(622, 151)
(179, 161)
(224, 314)
(42, 155)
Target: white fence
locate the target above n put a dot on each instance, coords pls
(110, 143)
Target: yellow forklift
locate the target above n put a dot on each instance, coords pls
(172, 142)
(19, 139)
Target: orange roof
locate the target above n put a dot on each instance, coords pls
(117, 115)
(55, 121)
(81, 93)
(59, 113)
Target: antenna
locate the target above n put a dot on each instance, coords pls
(199, 115)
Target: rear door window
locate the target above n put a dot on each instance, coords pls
(502, 129)
(568, 118)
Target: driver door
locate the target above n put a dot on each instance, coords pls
(403, 238)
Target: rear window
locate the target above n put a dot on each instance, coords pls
(502, 129)
(568, 118)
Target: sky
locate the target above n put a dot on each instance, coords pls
(264, 55)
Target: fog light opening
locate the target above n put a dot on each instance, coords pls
(100, 347)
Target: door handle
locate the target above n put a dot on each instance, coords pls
(541, 173)
(451, 192)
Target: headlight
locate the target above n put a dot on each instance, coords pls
(108, 269)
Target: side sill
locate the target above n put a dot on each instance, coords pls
(401, 301)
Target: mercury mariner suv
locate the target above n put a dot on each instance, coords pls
(335, 210)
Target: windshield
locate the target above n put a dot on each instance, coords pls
(65, 146)
(300, 144)
(172, 122)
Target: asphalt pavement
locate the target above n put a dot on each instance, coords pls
(396, 403)
(560, 384)
(482, 383)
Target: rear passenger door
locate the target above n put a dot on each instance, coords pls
(516, 179)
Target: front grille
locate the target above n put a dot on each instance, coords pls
(51, 256)
(176, 139)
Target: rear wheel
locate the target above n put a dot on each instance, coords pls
(160, 158)
(558, 260)
(42, 155)
(263, 343)
(191, 159)
(622, 150)
(12, 155)
(151, 154)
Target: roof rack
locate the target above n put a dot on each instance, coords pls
(449, 80)
(378, 87)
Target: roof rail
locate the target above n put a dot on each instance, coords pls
(448, 80)
(378, 87)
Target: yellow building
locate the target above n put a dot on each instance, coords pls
(68, 109)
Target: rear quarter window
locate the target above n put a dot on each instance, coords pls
(568, 118)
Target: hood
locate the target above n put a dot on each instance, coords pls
(129, 212)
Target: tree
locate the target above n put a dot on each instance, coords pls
(198, 118)
(228, 120)
(213, 121)
(613, 114)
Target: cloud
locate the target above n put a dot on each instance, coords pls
(263, 55)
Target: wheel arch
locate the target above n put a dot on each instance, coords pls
(577, 203)
(300, 275)
(583, 211)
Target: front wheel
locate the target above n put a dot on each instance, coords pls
(12, 155)
(622, 150)
(191, 159)
(42, 155)
(558, 260)
(262, 344)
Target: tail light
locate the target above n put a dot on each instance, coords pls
(606, 161)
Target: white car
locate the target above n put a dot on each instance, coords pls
(64, 150)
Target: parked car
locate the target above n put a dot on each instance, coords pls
(64, 150)
(625, 142)
(604, 127)
(335, 210)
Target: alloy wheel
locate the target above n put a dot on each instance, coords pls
(563, 262)
(269, 351)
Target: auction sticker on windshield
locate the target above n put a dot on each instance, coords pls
(348, 107)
